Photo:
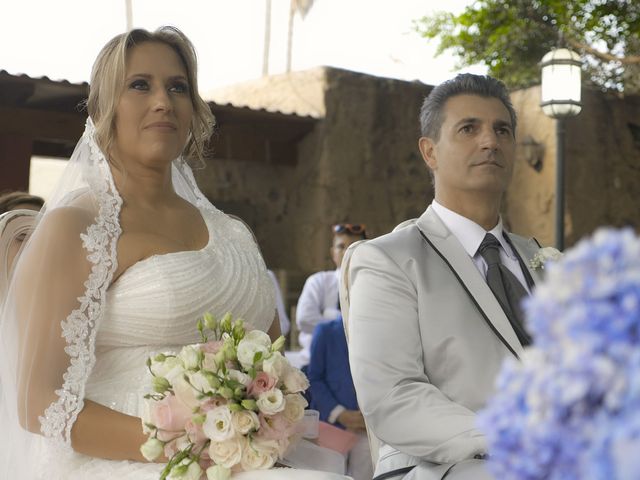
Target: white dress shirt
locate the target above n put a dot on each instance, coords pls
(318, 303)
(470, 235)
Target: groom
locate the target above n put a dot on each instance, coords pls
(435, 305)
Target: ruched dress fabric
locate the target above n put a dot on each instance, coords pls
(153, 307)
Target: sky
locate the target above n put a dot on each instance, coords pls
(61, 38)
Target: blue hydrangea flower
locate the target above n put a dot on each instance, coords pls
(570, 409)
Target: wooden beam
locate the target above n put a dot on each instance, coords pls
(15, 160)
(42, 124)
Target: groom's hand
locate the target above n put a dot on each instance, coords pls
(352, 420)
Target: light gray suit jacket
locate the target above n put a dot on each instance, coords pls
(426, 340)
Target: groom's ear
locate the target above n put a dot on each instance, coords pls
(428, 151)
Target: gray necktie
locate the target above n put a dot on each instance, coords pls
(505, 286)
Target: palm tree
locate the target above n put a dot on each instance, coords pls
(301, 7)
(129, 14)
(267, 39)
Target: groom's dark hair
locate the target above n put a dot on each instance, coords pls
(431, 113)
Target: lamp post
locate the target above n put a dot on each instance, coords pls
(561, 89)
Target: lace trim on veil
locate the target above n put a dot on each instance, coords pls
(80, 328)
(100, 240)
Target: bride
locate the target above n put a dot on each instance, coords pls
(123, 259)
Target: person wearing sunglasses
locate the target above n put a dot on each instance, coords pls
(318, 300)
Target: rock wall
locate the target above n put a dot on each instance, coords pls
(360, 164)
(602, 167)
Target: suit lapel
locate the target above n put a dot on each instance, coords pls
(525, 249)
(452, 252)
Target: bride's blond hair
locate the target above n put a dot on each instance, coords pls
(108, 77)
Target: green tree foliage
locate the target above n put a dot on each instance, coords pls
(512, 36)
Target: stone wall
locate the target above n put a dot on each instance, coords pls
(602, 167)
(360, 164)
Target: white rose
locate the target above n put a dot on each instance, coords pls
(255, 341)
(200, 382)
(256, 457)
(189, 356)
(218, 426)
(239, 376)
(218, 472)
(276, 365)
(271, 401)
(259, 337)
(265, 445)
(550, 253)
(244, 421)
(295, 381)
(162, 369)
(294, 407)
(227, 453)
(152, 449)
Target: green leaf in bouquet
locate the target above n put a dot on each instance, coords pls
(225, 392)
(212, 378)
(252, 373)
(161, 384)
(235, 407)
(238, 392)
(278, 344)
(174, 461)
(257, 357)
(200, 358)
(179, 471)
(233, 384)
(198, 418)
(249, 404)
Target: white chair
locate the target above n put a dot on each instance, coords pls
(374, 443)
(15, 228)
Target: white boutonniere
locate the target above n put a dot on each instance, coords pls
(543, 256)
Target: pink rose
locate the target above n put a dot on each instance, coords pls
(195, 433)
(274, 427)
(211, 347)
(170, 414)
(262, 383)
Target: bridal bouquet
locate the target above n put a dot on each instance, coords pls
(230, 403)
(571, 408)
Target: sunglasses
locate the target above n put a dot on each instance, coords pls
(351, 228)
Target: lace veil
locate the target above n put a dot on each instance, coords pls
(52, 302)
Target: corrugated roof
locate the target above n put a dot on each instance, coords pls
(42, 78)
(82, 87)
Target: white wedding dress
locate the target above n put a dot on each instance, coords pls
(153, 307)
